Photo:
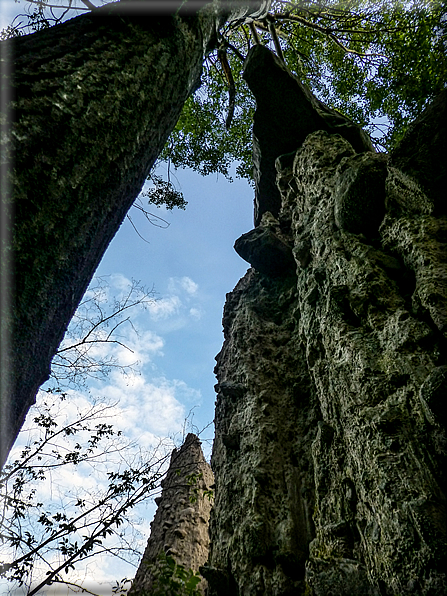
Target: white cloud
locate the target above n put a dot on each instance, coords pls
(139, 347)
(195, 313)
(147, 410)
(120, 281)
(126, 347)
(103, 288)
(97, 575)
(165, 307)
(185, 284)
(173, 309)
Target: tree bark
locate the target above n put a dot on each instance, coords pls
(92, 102)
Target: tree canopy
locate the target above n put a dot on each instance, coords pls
(378, 63)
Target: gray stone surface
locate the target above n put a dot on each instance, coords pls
(286, 112)
(180, 527)
(359, 193)
(422, 153)
(265, 249)
(330, 448)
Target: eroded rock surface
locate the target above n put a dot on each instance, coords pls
(180, 525)
(286, 112)
(422, 152)
(330, 447)
(266, 249)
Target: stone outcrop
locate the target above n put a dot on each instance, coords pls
(421, 154)
(180, 525)
(286, 113)
(330, 446)
(266, 249)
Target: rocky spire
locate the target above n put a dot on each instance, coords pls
(180, 526)
(286, 112)
(330, 448)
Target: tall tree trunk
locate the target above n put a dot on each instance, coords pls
(93, 102)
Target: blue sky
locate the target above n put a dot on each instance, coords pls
(191, 265)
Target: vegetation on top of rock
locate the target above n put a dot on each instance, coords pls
(378, 63)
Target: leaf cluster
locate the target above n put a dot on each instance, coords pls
(172, 579)
(192, 480)
(77, 523)
(379, 63)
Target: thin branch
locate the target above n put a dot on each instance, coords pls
(231, 47)
(101, 322)
(265, 28)
(345, 29)
(134, 227)
(273, 33)
(329, 32)
(102, 525)
(91, 414)
(254, 33)
(89, 544)
(149, 215)
(222, 55)
(40, 3)
(348, 51)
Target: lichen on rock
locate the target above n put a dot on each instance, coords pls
(329, 459)
(180, 526)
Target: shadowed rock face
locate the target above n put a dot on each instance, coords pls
(330, 449)
(422, 152)
(180, 525)
(266, 250)
(286, 112)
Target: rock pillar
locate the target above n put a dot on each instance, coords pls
(180, 526)
(330, 449)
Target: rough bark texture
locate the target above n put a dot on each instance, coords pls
(180, 525)
(330, 448)
(93, 102)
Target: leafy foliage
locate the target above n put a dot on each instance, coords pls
(164, 193)
(79, 522)
(200, 139)
(35, 19)
(192, 480)
(172, 579)
(378, 63)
